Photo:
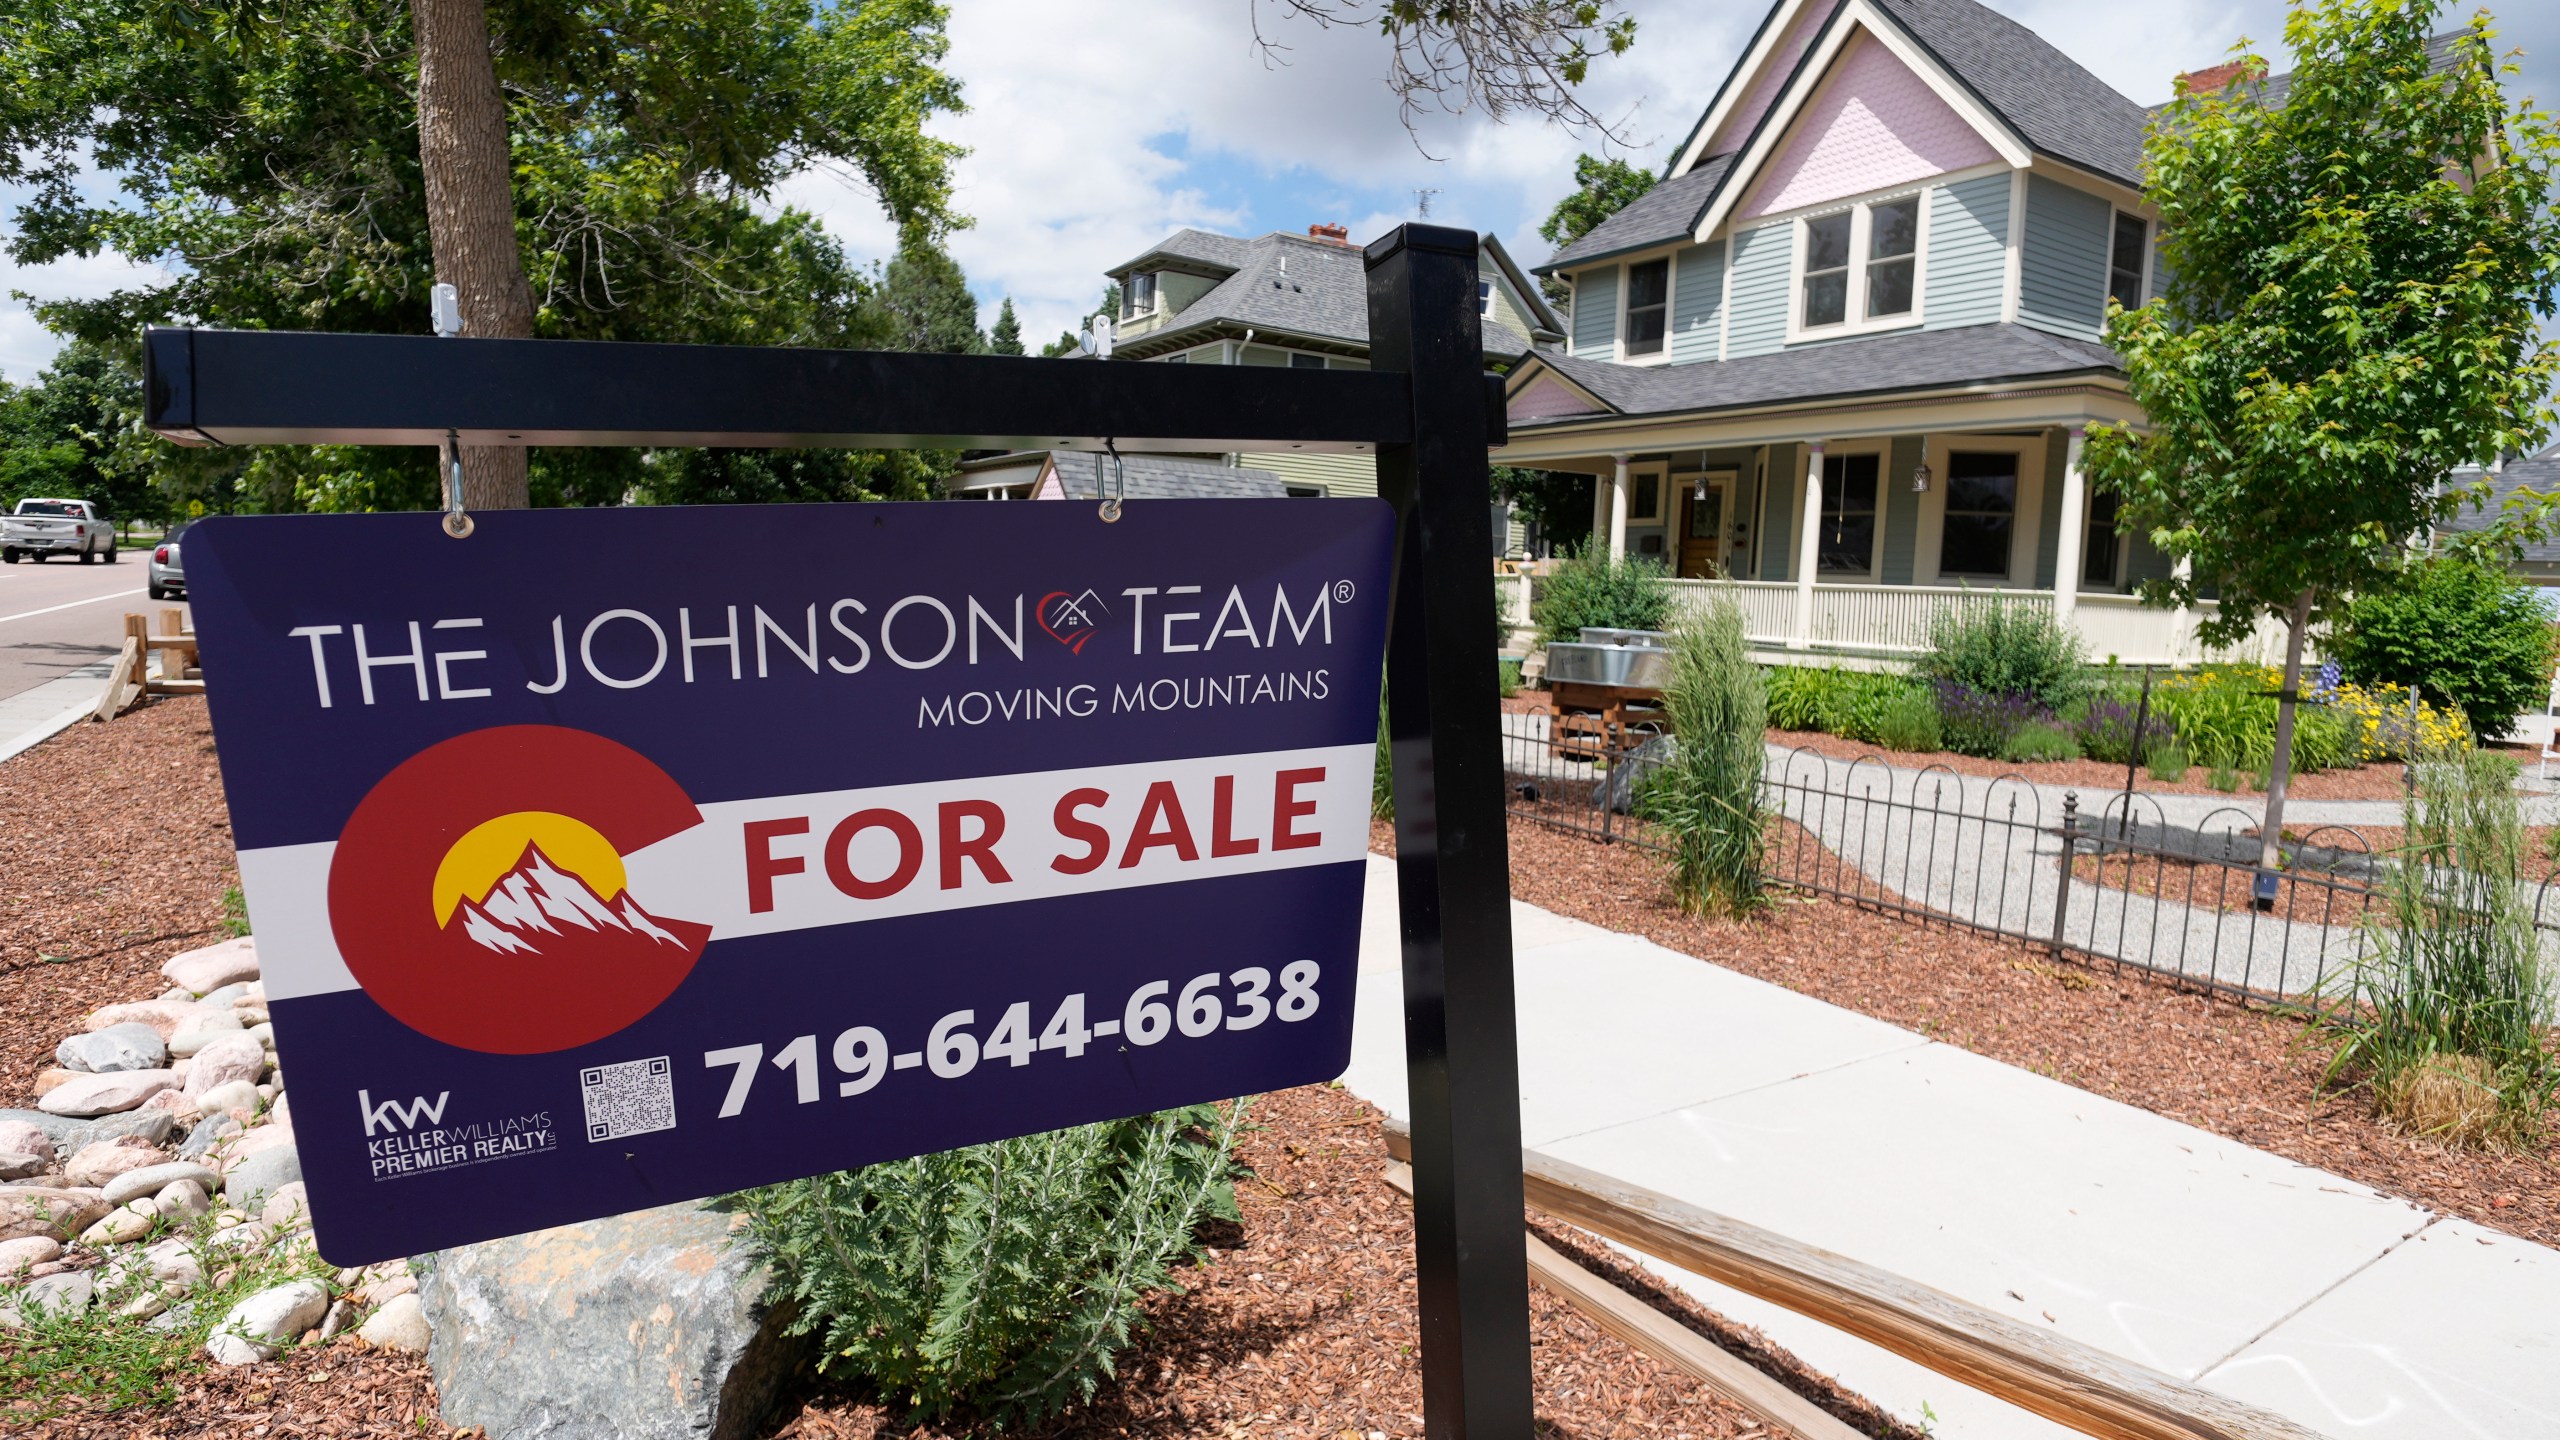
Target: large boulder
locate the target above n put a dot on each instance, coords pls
(254, 1178)
(129, 1046)
(224, 1059)
(50, 1211)
(20, 1138)
(152, 1179)
(655, 1324)
(95, 1165)
(53, 1296)
(198, 1031)
(84, 1096)
(200, 972)
(163, 1016)
(72, 1134)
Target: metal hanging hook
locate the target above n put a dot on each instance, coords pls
(1119, 483)
(457, 521)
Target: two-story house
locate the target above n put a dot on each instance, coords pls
(1844, 353)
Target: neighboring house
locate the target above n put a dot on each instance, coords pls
(1083, 475)
(1845, 352)
(1297, 300)
(2534, 476)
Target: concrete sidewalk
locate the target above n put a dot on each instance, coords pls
(35, 715)
(2352, 1312)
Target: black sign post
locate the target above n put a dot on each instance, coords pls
(1424, 408)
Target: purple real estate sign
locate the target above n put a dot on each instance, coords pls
(609, 858)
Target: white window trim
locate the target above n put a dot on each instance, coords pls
(1841, 449)
(1854, 319)
(1627, 287)
(1660, 471)
(2026, 525)
(2013, 266)
(2142, 287)
(2122, 585)
(1155, 294)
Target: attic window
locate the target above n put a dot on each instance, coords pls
(1484, 297)
(1648, 291)
(1140, 296)
(1300, 360)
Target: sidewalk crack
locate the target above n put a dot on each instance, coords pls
(2325, 1292)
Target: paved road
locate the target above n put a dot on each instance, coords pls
(61, 615)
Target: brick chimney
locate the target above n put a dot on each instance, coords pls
(1330, 234)
(2212, 79)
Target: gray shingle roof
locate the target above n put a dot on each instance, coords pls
(2057, 107)
(1324, 293)
(1668, 212)
(2540, 475)
(1165, 477)
(1910, 360)
(1203, 247)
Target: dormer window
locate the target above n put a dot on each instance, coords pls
(1484, 297)
(1138, 297)
(1860, 267)
(1648, 306)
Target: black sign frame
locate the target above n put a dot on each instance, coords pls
(1427, 409)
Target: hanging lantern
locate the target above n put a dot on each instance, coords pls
(1920, 472)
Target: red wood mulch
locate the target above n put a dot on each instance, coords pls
(2239, 1072)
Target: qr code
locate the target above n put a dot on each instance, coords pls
(632, 1098)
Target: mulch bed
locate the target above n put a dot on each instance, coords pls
(2232, 888)
(2365, 782)
(116, 846)
(1307, 1328)
(115, 850)
(2237, 1071)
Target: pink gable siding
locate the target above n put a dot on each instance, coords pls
(1547, 400)
(1049, 488)
(1876, 124)
(1764, 88)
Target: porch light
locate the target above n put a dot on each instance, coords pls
(1920, 472)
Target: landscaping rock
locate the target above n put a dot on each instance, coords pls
(56, 1212)
(253, 1178)
(203, 1029)
(252, 993)
(84, 1096)
(224, 1059)
(163, 1016)
(644, 1325)
(288, 1206)
(257, 1327)
(16, 1255)
(95, 1165)
(262, 1032)
(281, 1112)
(183, 1200)
(131, 1222)
(20, 1138)
(53, 1078)
(246, 1236)
(225, 1098)
(64, 1294)
(18, 1165)
(152, 1179)
(225, 994)
(173, 1263)
(340, 1313)
(201, 971)
(400, 1325)
(176, 1103)
(70, 1134)
(130, 1046)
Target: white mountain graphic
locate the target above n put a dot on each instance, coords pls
(525, 913)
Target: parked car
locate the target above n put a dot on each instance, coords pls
(168, 577)
(40, 528)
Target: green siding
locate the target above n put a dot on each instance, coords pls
(1968, 253)
(1901, 511)
(1697, 303)
(2063, 272)
(1175, 292)
(1777, 502)
(1595, 311)
(1339, 474)
(1761, 289)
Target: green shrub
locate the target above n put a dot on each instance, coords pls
(1382, 769)
(1797, 695)
(1910, 722)
(2224, 779)
(2168, 762)
(2447, 1013)
(1998, 649)
(1001, 1279)
(1507, 678)
(2465, 633)
(2037, 743)
(1982, 725)
(1707, 795)
(1590, 589)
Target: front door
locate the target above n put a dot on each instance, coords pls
(1702, 532)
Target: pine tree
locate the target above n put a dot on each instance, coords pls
(1007, 338)
(923, 304)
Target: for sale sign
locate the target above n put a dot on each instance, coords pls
(615, 857)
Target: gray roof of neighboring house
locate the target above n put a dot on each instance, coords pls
(1909, 360)
(1203, 246)
(1323, 293)
(1163, 477)
(2539, 475)
(1667, 212)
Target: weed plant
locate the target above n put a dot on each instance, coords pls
(1590, 589)
(1909, 722)
(1382, 769)
(2001, 650)
(2448, 1011)
(1707, 794)
(2224, 779)
(2168, 761)
(1002, 1279)
(2039, 743)
(2103, 725)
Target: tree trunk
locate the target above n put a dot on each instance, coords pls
(2280, 769)
(471, 208)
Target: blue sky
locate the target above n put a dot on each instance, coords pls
(1099, 126)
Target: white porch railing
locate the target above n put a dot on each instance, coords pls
(1893, 620)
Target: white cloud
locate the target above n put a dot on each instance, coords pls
(26, 347)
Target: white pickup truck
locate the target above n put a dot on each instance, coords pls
(39, 528)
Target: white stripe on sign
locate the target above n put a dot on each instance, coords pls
(798, 862)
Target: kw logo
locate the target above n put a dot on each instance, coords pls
(382, 1115)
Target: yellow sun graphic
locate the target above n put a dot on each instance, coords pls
(483, 857)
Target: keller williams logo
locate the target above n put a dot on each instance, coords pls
(1071, 620)
(395, 1117)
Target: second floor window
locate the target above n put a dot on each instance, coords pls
(1863, 262)
(2125, 262)
(1140, 297)
(1648, 306)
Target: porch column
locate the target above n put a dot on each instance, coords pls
(2069, 549)
(1600, 487)
(1808, 547)
(1618, 509)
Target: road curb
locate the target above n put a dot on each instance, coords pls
(44, 730)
